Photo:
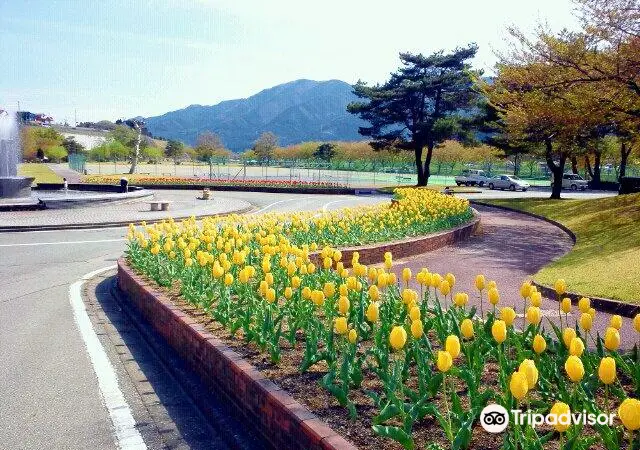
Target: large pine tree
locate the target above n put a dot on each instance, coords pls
(427, 101)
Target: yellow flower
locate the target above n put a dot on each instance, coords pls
(398, 337)
(295, 282)
(270, 295)
(444, 361)
(306, 292)
(414, 313)
(592, 313)
(525, 290)
(353, 336)
(565, 305)
(466, 328)
(584, 304)
(492, 284)
(576, 348)
(629, 414)
(534, 315)
(561, 416)
(499, 331)
(329, 289)
(288, 292)
(451, 279)
(574, 368)
(445, 288)
(317, 297)
(343, 305)
(374, 293)
(586, 321)
(607, 370)
(536, 298)
(228, 279)
(480, 282)
(416, 329)
(373, 312)
(560, 286)
(528, 367)
(616, 322)
(452, 345)
(611, 339)
(493, 295)
(508, 315)
(460, 299)
(340, 325)
(567, 336)
(636, 322)
(519, 385)
(406, 274)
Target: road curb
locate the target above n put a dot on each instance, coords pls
(599, 303)
(283, 421)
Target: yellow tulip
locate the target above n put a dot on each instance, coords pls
(612, 339)
(560, 286)
(317, 297)
(398, 337)
(451, 279)
(576, 348)
(586, 321)
(306, 292)
(528, 367)
(499, 331)
(525, 290)
(574, 368)
(452, 345)
(508, 315)
(340, 325)
(466, 328)
(228, 279)
(343, 289)
(636, 322)
(584, 304)
(629, 414)
(616, 322)
(539, 344)
(565, 305)
(519, 385)
(460, 299)
(607, 370)
(416, 329)
(492, 284)
(592, 313)
(353, 336)
(414, 313)
(288, 292)
(343, 305)
(493, 296)
(534, 315)
(373, 312)
(444, 361)
(406, 274)
(480, 282)
(445, 288)
(567, 336)
(561, 416)
(374, 293)
(329, 289)
(536, 298)
(270, 295)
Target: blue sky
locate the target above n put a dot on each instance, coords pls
(112, 59)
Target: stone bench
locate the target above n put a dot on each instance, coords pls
(159, 205)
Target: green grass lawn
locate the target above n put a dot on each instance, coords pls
(41, 172)
(605, 262)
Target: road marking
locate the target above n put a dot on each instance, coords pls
(31, 244)
(278, 202)
(326, 205)
(127, 435)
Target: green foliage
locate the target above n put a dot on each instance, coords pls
(56, 153)
(209, 147)
(265, 146)
(71, 145)
(112, 150)
(153, 153)
(174, 150)
(38, 138)
(325, 151)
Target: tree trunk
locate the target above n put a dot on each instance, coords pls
(595, 179)
(587, 164)
(421, 179)
(136, 151)
(516, 164)
(624, 157)
(556, 170)
(574, 165)
(427, 164)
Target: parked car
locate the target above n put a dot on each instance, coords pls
(573, 181)
(472, 177)
(510, 182)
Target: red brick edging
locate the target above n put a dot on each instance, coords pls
(283, 421)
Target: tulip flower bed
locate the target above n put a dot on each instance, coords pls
(150, 181)
(382, 362)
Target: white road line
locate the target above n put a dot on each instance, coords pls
(127, 435)
(31, 244)
(326, 205)
(278, 202)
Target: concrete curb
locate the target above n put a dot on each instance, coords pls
(83, 226)
(283, 421)
(602, 304)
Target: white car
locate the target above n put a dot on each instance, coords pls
(573, 182)
(472, 177)
(510, 182)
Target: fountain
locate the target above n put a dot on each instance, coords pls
(12, 186)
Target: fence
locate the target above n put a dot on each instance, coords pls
(77, 162)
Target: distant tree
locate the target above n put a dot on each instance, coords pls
(420, 105)
(209, 145)
(265, 146)
(39, 138)
(325, 151)
(71, 145)
(56, 153)
(152, 153)
(174, 150)
(111, 150)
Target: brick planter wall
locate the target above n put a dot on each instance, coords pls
(284, 422)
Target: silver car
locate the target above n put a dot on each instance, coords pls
(573, 181)
(510, 182)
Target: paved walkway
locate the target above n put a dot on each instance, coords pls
(510, 249)
(62, 170)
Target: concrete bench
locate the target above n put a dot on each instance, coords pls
(159, 205)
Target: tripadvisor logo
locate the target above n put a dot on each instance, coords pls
(495, 418)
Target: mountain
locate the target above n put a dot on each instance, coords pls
(301, 110)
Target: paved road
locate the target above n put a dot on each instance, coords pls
(50, 396)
